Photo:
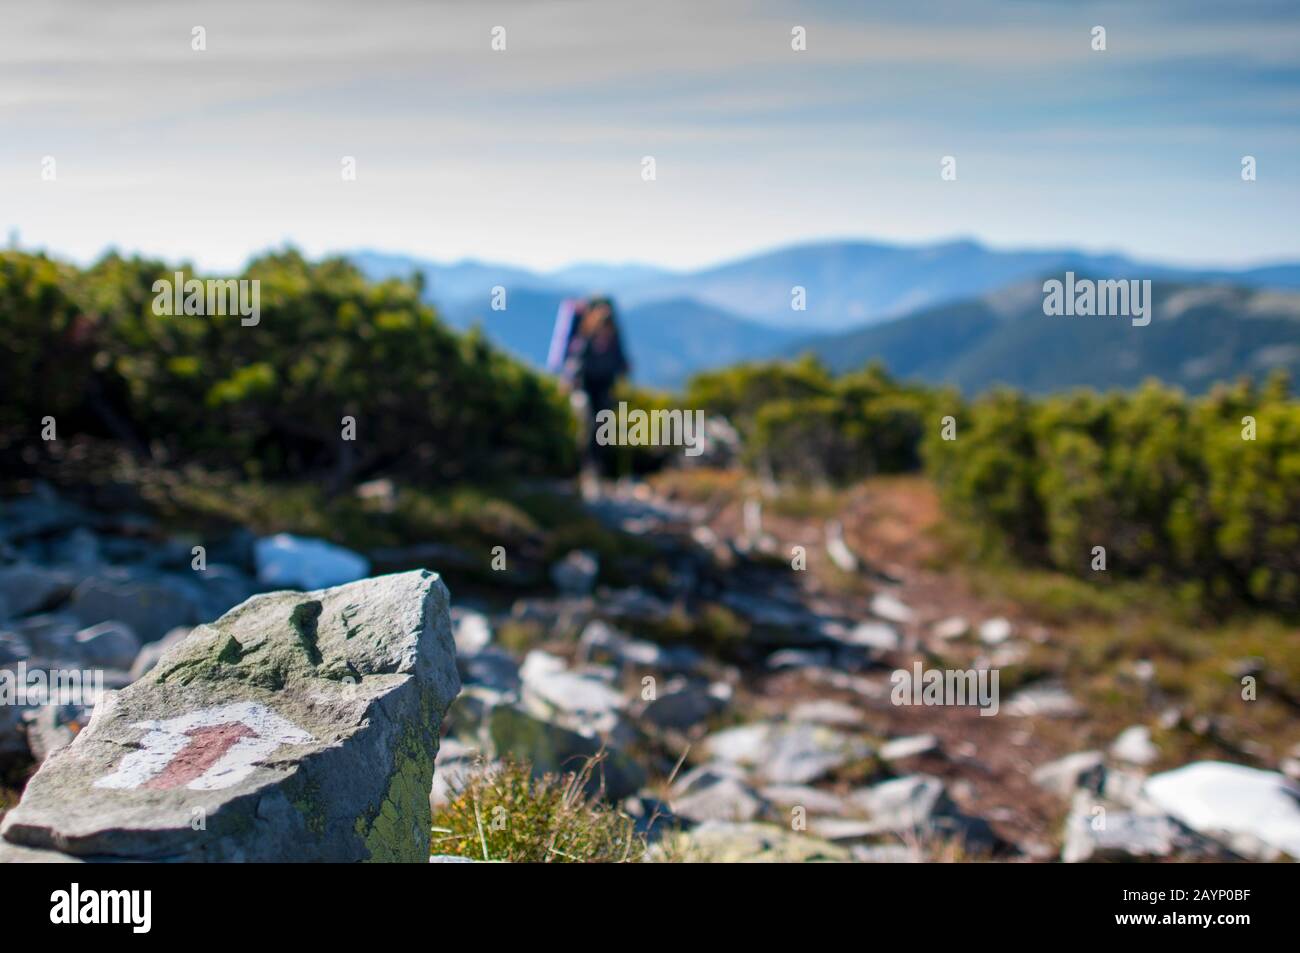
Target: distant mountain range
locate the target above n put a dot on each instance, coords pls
(678, 323)
(1199, 333)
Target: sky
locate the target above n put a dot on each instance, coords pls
(533, 155)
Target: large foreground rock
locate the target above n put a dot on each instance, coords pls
(298, 726)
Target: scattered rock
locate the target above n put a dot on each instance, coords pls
(813, 800)
(576, 573)
(721, 799)
(884, 854)
(492, 668)
(602, 642)
(13, 648)
(1082, 770)
(1134, 745)
(838, 551)
(950, 629)
(911, 746)
(874, 635)
(149, 603)
(472, 631)
(1256, 812)
(1043, 700)
(27, 588)
(827, 711)
(579, 693)
(787, 753)
(729, 842)
(1095, 834)
(995, 631)
(890, 609)
(552, 748)
(301, 726)
(109, 644)
(684, 703)
(919, 803)
(299, 562)
(51, 636)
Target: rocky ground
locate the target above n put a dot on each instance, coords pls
(734, 670)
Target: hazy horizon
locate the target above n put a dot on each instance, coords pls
(533, 155)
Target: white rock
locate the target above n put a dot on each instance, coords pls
(891, 609)
(827, 711)
(472, 630)
(953, 627)
(1134, 745)
(874, 635)
(299, 562)
(1214, 797)
(909, 747)
(995, 631)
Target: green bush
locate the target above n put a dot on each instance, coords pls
(802, 425)
(270, 399)
(1166, 484)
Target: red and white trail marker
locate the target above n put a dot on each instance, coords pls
(206, 750)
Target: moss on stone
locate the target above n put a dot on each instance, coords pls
(399, 831)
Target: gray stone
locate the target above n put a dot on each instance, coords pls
(891, 609)
(80, 548)
(884, 854)
(804, 752)
(601, 641)
(553, 748)
(576, 573)
(579, 693)
(51, 635)
(953, 627)
(1134, 745)
(730, 842)
(40, 513)
(13, 648)
(1082, 770)
(725, 799)
(27, 588)
(683, 704)
(911, 746)
(452, 769)
(919, 804)
(874, 635)
(827, 711)
(109, 644)
(787, 753)
(492, 668)
(813, 800)
(149, 655)
(1098, 834)
(1043, 700)
(152, 604)
(300, 726)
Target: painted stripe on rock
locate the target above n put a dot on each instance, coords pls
(205, 750)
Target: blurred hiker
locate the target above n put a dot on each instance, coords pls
(595, 363)
(567, 319)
